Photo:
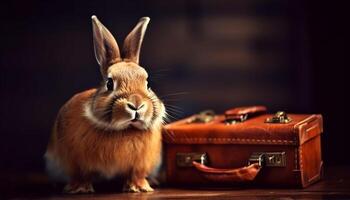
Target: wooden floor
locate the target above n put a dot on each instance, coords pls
(336, 185)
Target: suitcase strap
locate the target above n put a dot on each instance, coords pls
(244, 174)
(232, 116)
(240, 114)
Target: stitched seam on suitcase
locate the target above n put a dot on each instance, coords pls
(301, 165)
(300, 159)
(297, 179)
(295, 159)
(237, 140)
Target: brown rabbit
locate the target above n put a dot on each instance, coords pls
(114, 129)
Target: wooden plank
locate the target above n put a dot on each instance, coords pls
(336, 185)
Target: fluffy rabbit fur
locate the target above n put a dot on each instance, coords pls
(114, 129)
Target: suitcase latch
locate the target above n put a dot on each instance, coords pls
(236, 119)
(186, 159)
(268, 159)
(205, 116)
(280, 117)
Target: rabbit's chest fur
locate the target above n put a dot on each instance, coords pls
(77, 143)
(121, 153)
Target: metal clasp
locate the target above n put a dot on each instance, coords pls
(257, 157)
(202, 117)
(280, 117)
(268, 159)
(236, 120)
(186, 159)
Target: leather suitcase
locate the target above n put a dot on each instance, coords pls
(245, 146)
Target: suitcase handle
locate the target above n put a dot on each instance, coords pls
(241, 114)
(244, 174)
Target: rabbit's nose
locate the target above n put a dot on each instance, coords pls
(133, 107)
(135, 102)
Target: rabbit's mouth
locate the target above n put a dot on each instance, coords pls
(137, 123)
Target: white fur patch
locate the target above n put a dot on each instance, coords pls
(162, 115)
(101, 124)
(121, 125)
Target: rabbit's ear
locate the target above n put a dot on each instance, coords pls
(132, 42)
(106, 48)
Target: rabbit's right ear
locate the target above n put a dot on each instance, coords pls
(106, 47)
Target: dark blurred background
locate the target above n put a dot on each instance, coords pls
(287, 55)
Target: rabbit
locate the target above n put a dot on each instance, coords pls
(112, 130)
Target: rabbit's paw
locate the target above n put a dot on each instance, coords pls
(144, 186)
(140, 185)
(130, 187)
(78, 188)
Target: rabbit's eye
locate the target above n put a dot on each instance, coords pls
(110, 84)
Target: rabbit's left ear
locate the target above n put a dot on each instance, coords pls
(132, 43)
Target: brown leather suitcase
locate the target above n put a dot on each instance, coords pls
(245, 146)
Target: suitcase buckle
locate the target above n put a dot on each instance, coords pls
(268, 159)
(257, 157)
(235, 119)
(280, 117)
(202, 117)
(186, 159)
